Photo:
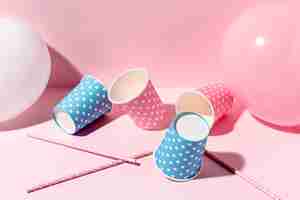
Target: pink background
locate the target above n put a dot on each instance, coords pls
(174, 39)
(102, 37)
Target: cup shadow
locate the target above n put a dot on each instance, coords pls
(210, 170)
(226, 124)
(286, 129)
(115, 113)
(169, 116)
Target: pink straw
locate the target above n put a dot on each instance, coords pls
(114, 157)
(245, 177)
(84, 173)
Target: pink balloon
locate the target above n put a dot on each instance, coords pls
(261, 56)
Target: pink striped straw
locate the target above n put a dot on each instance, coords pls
(84, 173)
(114, 157)
(245, 177)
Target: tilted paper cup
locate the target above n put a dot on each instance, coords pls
(211, 101)
(83, 105)
(135, 93)
(180, 155)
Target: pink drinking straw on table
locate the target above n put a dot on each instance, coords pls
(134, 92)
(84, 173)
(245, 177)
(114, 157)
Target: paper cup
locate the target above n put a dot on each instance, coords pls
(180, 154)
(83, 105)
(134, 92)
(212, 101)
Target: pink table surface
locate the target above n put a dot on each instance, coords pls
(120, 137)
(270, 155)
(249, 146)
(26, 162)
(146, 182)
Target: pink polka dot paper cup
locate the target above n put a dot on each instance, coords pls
(135, 94)
(212, 101)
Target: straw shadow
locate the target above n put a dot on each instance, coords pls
(210, 170)
(287, 129)
(226, 124)
(39, 112)
(63, 72)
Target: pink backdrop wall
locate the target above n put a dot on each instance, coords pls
(179, 41)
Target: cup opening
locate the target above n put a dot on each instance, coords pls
(197, 103)
(128, 86)
(65, 122)
(192, 127)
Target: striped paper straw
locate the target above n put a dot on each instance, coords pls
(114, 157)
(84, 173)
(245, 177)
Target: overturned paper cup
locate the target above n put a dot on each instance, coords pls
(83, 105)
(212, 101)
(134, 92)
(180, 155)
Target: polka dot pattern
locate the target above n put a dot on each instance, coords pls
(86, 102)
(147, 110)
(179, 159)
(220, 97)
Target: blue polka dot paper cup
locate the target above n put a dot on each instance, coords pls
(84, 104)
(180, 154)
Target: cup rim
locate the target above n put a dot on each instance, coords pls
(116, 79)
(198, 92)
(57, 110)
(59, 125)
(191, 113)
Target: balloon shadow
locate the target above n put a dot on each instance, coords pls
(63, 72)
(39, 112)
(226, 124)
(288, 129)
(63, 76)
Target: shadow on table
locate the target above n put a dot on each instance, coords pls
(287, 129)
(38, 113)
(226, 124)
(210, 170)
(100, 122)
(63, 72)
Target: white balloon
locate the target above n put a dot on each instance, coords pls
(25, 67)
